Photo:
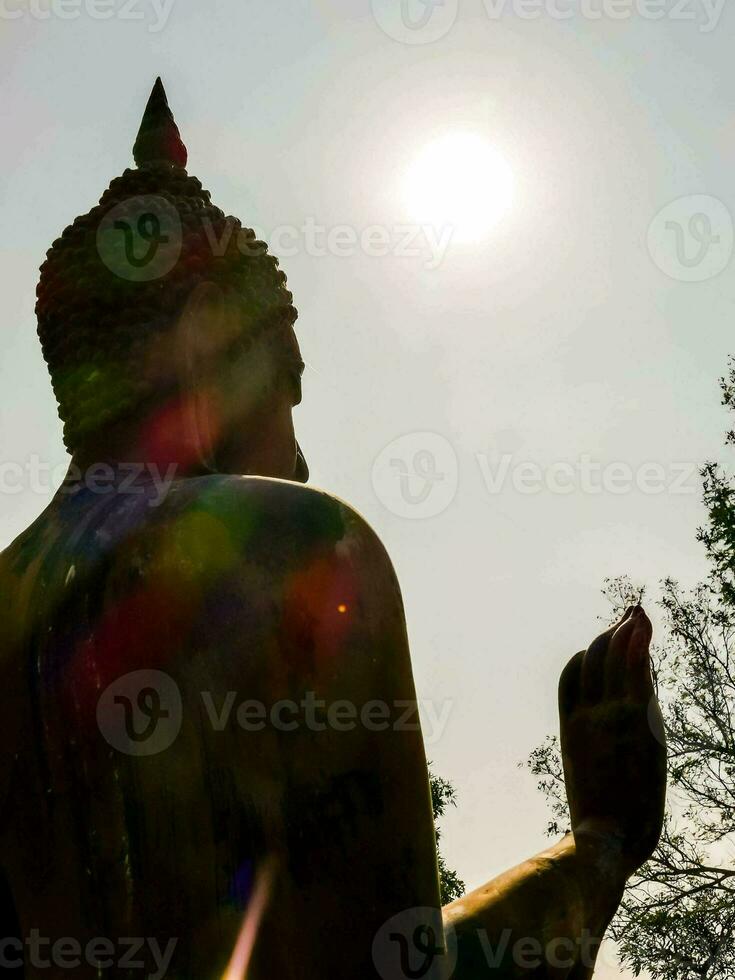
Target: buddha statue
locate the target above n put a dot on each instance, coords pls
(207, 769)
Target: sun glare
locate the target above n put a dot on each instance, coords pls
(460, 180)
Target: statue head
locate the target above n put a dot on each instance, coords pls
(167, 326)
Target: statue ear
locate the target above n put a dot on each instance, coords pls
(202, 332)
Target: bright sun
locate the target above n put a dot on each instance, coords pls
(460, 181)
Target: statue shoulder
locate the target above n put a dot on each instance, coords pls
(279, 525)
(260, 547)
(287, 570)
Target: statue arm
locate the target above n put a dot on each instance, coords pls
(543, 919)
(546, 918)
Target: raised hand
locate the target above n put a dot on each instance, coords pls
(613, 748)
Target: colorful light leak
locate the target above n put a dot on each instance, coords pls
(238, 966)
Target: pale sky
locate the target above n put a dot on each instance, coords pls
(556, 330)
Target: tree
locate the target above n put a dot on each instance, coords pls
(677, 919)
(443, 794)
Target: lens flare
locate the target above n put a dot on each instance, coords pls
(237, 968)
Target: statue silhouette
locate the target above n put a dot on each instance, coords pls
(203, 660)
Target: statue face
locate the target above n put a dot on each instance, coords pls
(259, 438)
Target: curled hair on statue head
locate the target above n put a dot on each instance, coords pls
(106, 336)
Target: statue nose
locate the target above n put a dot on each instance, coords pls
(301, 469)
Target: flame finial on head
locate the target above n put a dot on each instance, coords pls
(158, 139)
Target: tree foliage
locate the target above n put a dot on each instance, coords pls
(443, 794)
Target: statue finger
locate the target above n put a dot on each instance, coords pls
(595, 665)
(638, 657)
(616, 666)
(593, 669)
(570, 684)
